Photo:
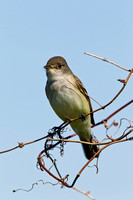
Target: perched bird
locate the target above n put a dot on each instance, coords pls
(69, 99)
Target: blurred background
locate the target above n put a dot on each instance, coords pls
(30, 33)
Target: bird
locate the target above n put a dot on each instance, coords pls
(69, 99)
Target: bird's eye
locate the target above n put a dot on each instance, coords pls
(59, 65)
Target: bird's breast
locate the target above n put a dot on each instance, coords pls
(66, 100)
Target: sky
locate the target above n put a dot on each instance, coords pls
(31, 32)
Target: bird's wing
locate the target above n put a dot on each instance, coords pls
(84, 92)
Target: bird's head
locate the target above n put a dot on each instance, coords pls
(57, 66)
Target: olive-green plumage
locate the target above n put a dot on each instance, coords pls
(69, 99)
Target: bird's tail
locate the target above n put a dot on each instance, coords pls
(90, 150)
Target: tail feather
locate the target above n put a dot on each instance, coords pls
(90, 150)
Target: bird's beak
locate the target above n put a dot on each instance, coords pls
(48, 67)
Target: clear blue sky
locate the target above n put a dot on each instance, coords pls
(30, 33)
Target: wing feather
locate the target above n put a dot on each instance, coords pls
(84, 92)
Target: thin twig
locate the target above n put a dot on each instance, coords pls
(21, 144)
(114, 113)
(53, 161)
(103, 107)
(77, 141)
(78, 175)
(53, 184)
(90, 143)
(85, 94)
(85, 193)
(100, 150)
(106, 60)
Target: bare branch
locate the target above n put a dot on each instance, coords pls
(103, 107)
(21, 144)
(85, 193)
(114, 113)
(57, 131)
(62, 180)
(53, 184)
(104, 59)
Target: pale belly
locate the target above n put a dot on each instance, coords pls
(70, 103)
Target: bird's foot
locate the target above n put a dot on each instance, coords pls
(82, 117)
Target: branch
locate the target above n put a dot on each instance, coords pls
(21, 144)
(85, 193)
(62, 180)
(104, 59)
(103, 107)
(63, 125)
(53, 184)
(114, 113)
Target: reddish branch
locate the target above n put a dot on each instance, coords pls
(59, 130)
(42, 166)
(114, 141)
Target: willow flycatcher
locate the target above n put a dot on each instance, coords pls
(69, 99)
